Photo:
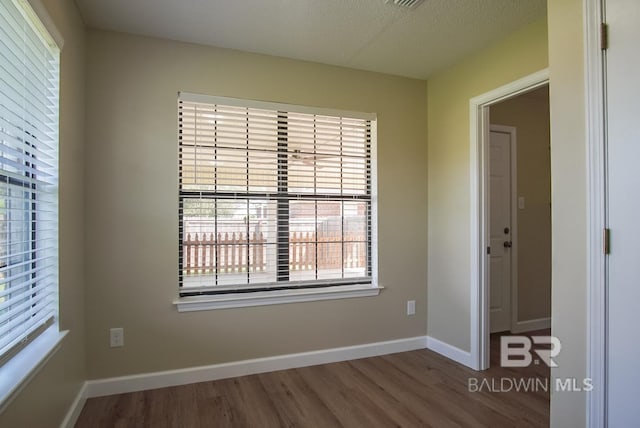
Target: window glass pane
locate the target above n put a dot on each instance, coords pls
(302, 240)
(232, 241)
(329, 259)
(199, 236)
(263, 229)
(355, 239)
(329, 226)
(4, 253)
(15, 248)
(222, 245)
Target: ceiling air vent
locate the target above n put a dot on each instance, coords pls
(410, 4)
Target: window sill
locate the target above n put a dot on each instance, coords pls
(18, 371)
(241, 300)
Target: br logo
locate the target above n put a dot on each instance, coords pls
(518, 351)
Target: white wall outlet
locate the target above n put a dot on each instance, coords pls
(116, 337)
(521, 202)
(411, 307)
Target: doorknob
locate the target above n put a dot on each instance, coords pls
(506, 230)
(507, 244)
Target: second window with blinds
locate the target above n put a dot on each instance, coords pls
(274, 197)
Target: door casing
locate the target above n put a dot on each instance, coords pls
(596, 205)
(479, 227)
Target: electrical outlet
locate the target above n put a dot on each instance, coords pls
(411, 307)
(116, 336)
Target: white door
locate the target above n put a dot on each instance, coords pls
(500, 143)
(623, 183)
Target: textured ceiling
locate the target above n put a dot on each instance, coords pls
(363, 34)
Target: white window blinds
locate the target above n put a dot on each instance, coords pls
(272, 196)
(29, 67)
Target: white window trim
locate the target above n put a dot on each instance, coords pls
(19, 370)
(48, 27)
(275, 297)
(268, 105)
(262, 298)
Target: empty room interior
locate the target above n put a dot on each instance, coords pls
(297, 213)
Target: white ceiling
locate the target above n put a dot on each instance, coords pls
(363, 34)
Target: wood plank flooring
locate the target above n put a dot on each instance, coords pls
(410, 389)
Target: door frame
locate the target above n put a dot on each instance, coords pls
(595, 90)
(478, 215)
(513, 202)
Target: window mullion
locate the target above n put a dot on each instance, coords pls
(282, 270)
(181, 236)
(342, 246)
(369, 213)
(216, 248)
(248, 202)
(315, 192)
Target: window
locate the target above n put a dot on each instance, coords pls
(29, 67)
(273, 197)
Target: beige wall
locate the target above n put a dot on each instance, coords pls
(131, 206)
(522, 53)
(46, 399)
(529, 114)
(568, 215)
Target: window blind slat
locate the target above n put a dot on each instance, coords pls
(34, 117)
(23, 324)
(49, 182)
(10, 122)
(31, 296)
(36, 51)
(23, 88)
(38, 77)
(42, 245)
(35, 143)
(20, 276)
(6, 163)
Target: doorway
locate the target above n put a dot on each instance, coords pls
(520, 213)
(481, 230)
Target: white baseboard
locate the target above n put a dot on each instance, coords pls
(141, 382)
(71, 417)
(531, 325)
(449, 351)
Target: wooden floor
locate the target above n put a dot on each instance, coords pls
(410, 389)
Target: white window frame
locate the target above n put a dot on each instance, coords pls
(23, 366)
(272, 297)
